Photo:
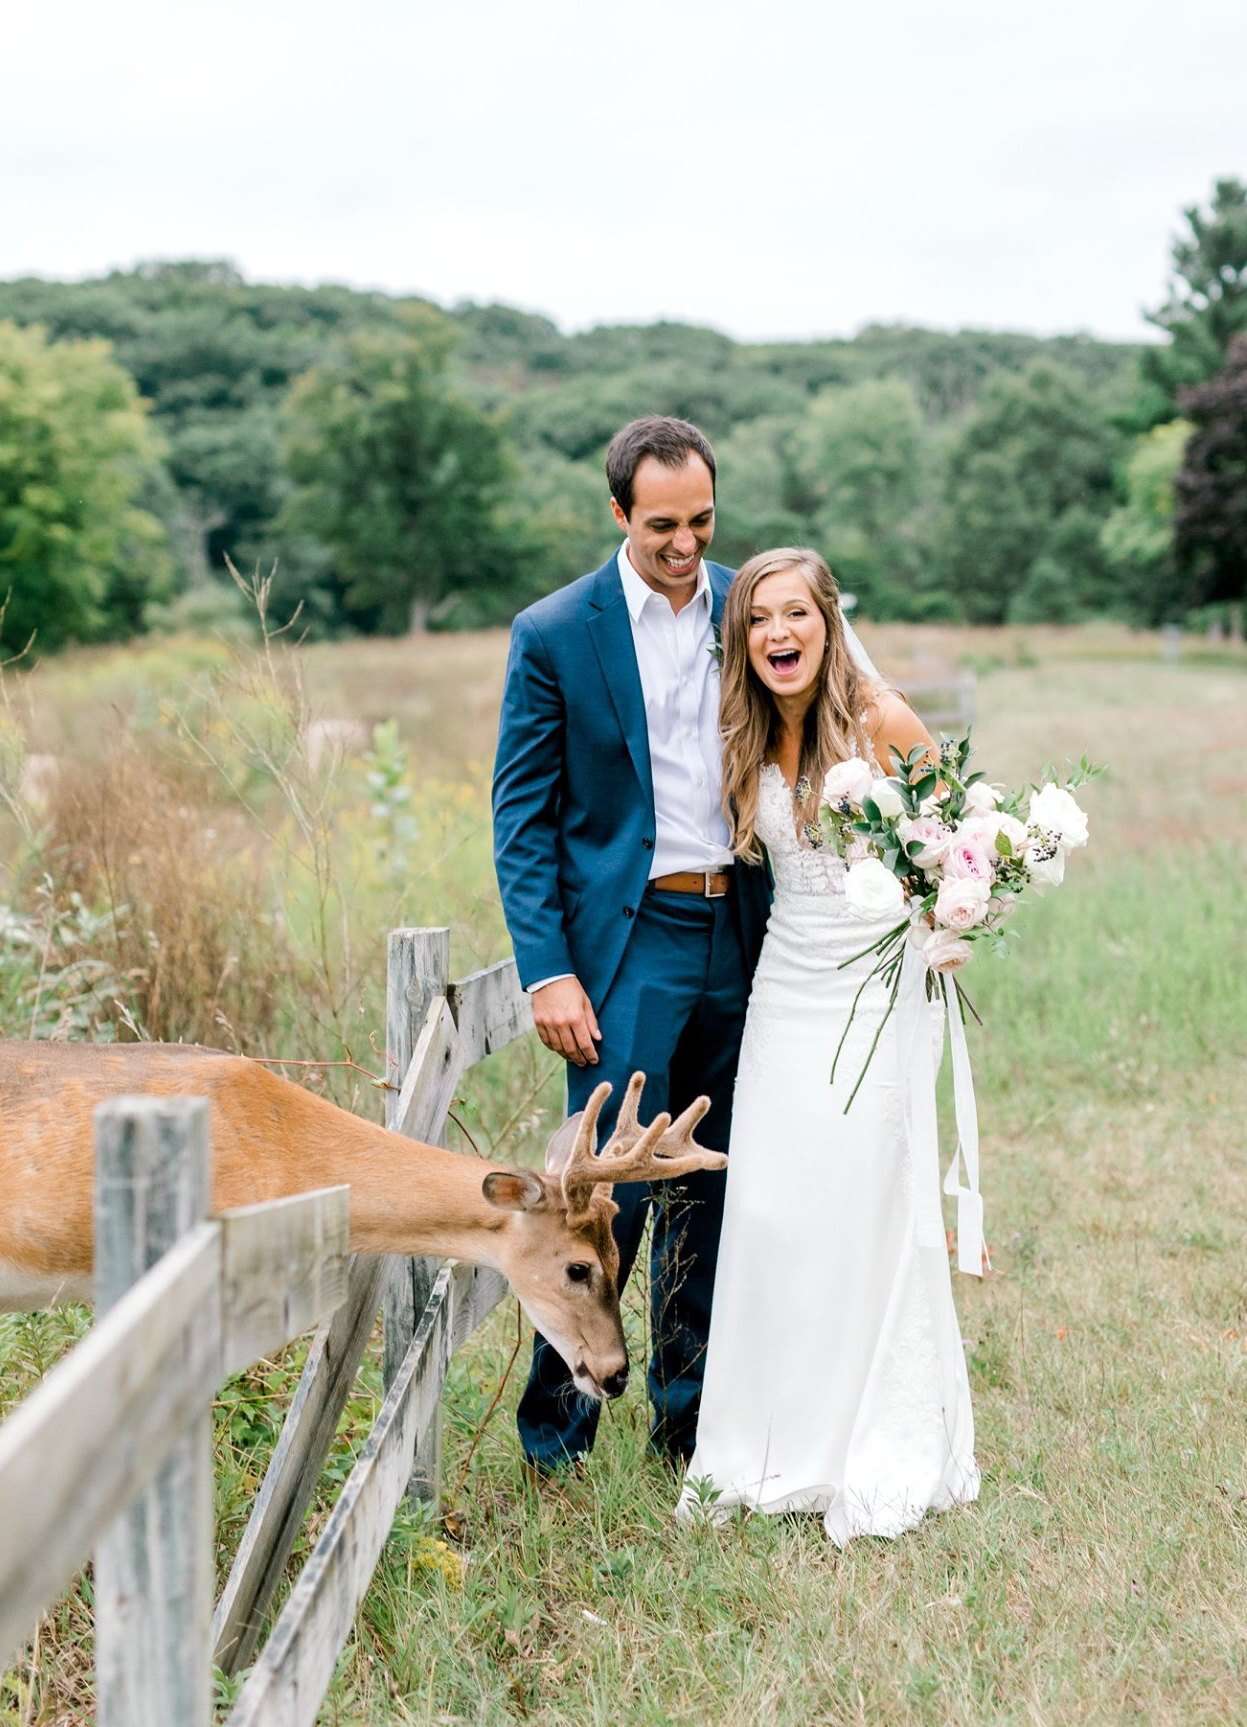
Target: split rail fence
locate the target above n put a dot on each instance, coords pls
(112, 1454)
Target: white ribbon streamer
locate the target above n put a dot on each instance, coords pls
(971, 1246)
(920, 1045)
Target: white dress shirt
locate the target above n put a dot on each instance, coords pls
(680, 684)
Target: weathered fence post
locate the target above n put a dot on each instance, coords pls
(417, 970)
(153, 1568)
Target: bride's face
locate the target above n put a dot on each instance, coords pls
(787, 634)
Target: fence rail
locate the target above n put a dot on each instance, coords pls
(113, 1449)
(948, 707)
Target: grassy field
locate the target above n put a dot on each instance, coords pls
(1100, 1576)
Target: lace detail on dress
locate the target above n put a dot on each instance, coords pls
(799, 867)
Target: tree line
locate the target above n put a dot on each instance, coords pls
(406, 465)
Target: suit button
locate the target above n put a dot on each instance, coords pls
(648, 845)
(628, 911)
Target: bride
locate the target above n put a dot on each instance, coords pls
(835, 1378)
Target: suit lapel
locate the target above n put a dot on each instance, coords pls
(720, 582)
(610, 630)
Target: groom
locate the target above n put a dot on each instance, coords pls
(634, 930)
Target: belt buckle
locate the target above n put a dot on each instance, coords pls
(706, 893)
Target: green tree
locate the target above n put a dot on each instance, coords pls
(1137, 539)
(1207, 304)
(1029, 482)
(397, 476)
(859, 469)
(753, 510)
(215, 356)
(556, 525)
(1210, 522)
(79, 556)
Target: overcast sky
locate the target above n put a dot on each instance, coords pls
(775, 168)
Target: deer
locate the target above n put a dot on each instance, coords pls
(547, 1232)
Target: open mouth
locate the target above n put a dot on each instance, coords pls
(679, 566)
(784, 661)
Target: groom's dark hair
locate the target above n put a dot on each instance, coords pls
(669, 441)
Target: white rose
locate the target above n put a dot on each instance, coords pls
(1045, 859)
(1001, 907)
(981, 798)
(962, 902)
(871, 891)
(1054, 810)
(888, 798)
(851, 780)
(945, 951)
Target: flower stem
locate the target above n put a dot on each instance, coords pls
(875, 946)
(874, 1044)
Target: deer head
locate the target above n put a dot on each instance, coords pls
(561, 1258)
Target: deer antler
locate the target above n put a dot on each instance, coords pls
(659, 1152)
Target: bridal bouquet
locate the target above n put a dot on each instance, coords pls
(946, 854)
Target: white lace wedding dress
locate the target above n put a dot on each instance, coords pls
(835, 1377)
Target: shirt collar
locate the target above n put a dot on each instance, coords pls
(638, 593)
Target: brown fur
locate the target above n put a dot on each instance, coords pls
(271, 1138)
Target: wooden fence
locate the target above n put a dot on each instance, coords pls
(948, 707)
(112, 1453)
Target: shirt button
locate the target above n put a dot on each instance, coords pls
(628, 911)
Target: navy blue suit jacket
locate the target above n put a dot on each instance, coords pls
(573, 794)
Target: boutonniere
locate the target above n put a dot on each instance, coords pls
(716, 649)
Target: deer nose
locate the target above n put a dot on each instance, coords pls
(614, 1384)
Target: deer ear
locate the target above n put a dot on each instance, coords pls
(514, 1190)
(559, 1149)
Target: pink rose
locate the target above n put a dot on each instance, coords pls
(982, 830)
(945, 951)
(961, 902)
(935, 836)
(967, 858)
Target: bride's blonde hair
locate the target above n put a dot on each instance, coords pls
(748, 718)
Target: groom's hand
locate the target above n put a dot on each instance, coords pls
(565, 1021)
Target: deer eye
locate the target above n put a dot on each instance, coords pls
(579, 1272)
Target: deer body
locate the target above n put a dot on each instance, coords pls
(549, 1235)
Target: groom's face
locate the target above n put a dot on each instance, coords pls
(672, 523)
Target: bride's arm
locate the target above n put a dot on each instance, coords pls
(893, 725)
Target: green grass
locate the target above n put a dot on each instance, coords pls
(1099, 1577)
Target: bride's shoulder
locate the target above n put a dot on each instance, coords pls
(890, 723)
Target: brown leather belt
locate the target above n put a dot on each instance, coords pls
(710, 886)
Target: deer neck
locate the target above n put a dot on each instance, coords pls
(406, 1197)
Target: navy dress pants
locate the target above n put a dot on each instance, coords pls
(675, 1011)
